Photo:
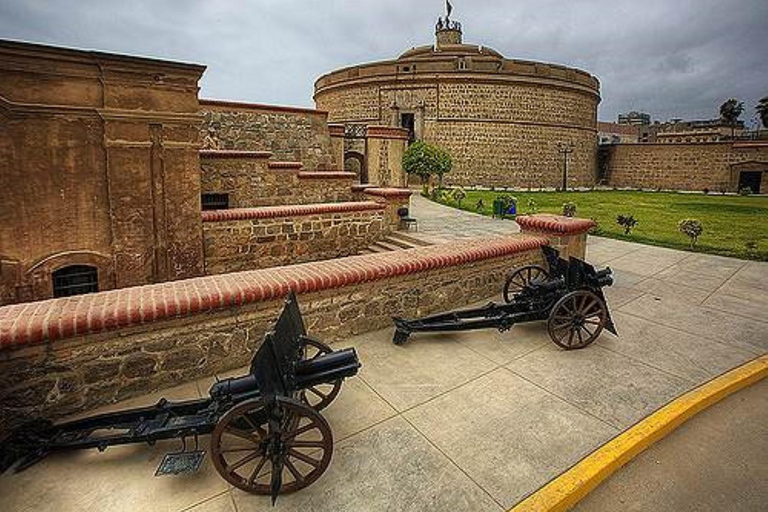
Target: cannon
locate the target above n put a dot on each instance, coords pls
(568, 295)
(267, 435)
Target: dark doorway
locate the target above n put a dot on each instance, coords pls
(408, 121)
(751, 180)
(75, 280)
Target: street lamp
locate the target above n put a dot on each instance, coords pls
(565, 149)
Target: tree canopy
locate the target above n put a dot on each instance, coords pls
(424, 160)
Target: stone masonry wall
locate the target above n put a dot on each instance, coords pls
(291, 134)
(499, 134)
(251, 180)
(248, 244)
(145, 338)
(688, 166)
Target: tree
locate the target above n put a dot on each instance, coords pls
(424, 160)
(730, 111)
(762, 111)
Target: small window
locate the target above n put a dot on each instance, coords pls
(75, 280)
(215, 201)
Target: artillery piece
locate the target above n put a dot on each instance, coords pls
(568, 296)
(264, 426)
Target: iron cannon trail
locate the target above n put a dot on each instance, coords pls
(568, 295)
(267, 435)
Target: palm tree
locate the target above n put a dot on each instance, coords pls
(762, 111)
(730, 111)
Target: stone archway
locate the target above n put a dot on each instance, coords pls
(355, 162)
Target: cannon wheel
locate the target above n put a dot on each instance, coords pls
(577, 319)
(320, 396)
(520, 278)
(244, 446)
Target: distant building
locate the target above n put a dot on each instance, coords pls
(614, 133)
(709, 130)
(635, 118)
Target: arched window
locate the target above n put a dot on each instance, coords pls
(75, 280)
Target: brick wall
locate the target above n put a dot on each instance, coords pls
(687, 166)
(290, 134)
(63, 356)
(251, 179)
(248, 239)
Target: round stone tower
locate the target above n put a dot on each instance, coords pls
(504, 121)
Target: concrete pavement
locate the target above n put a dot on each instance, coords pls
(467, 421)
(715, 461)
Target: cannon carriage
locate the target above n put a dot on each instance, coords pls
(267, 435)
(568, 295)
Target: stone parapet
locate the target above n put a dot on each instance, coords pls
(566, 234)
(297, 210)
(62, 356)
(394, 198)
(248, 239)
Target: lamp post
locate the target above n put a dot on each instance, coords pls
(565, 149)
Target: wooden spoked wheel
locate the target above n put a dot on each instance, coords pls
(255, 438)
(320, 396)
(577, 319)
(520, 278)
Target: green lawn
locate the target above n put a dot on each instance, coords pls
(729, 222)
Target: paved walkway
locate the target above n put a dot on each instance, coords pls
(467, 421)
(716, 461)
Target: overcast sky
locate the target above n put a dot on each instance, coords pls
(671, 58)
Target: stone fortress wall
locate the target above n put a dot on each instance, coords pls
(500, 119)
(289, 133)
(716, 166)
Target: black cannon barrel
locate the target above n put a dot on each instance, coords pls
(327, 368)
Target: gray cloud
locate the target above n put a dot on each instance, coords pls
(677, 58)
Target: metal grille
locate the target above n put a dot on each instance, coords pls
(215, 201)
(355, 131)
(75, 280)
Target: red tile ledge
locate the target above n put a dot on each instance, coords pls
(233, 153)
(388, 192)
(326, 175)
(554, 224)
(285, 165)
(36, 323)
(295, 210)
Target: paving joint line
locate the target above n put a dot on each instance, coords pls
(414, 427)
(691, 333)
(588, 413)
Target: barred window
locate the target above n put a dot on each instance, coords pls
(215, 201)
(75, 280)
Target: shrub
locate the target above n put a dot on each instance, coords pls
(569, 209)
(424, 160)
(628, 222)
(746, 191)
(459, 194)
(533, 207)
(692, 228)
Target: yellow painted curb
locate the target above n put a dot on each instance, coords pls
(566, 490)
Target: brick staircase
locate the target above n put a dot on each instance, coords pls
(394, 242)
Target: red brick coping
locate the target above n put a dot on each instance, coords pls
(293, 210)
(233, 153)
(388, 192)
(555, 224)
(285, 165)
(327, 175)
(237, 105)
(35, 323)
